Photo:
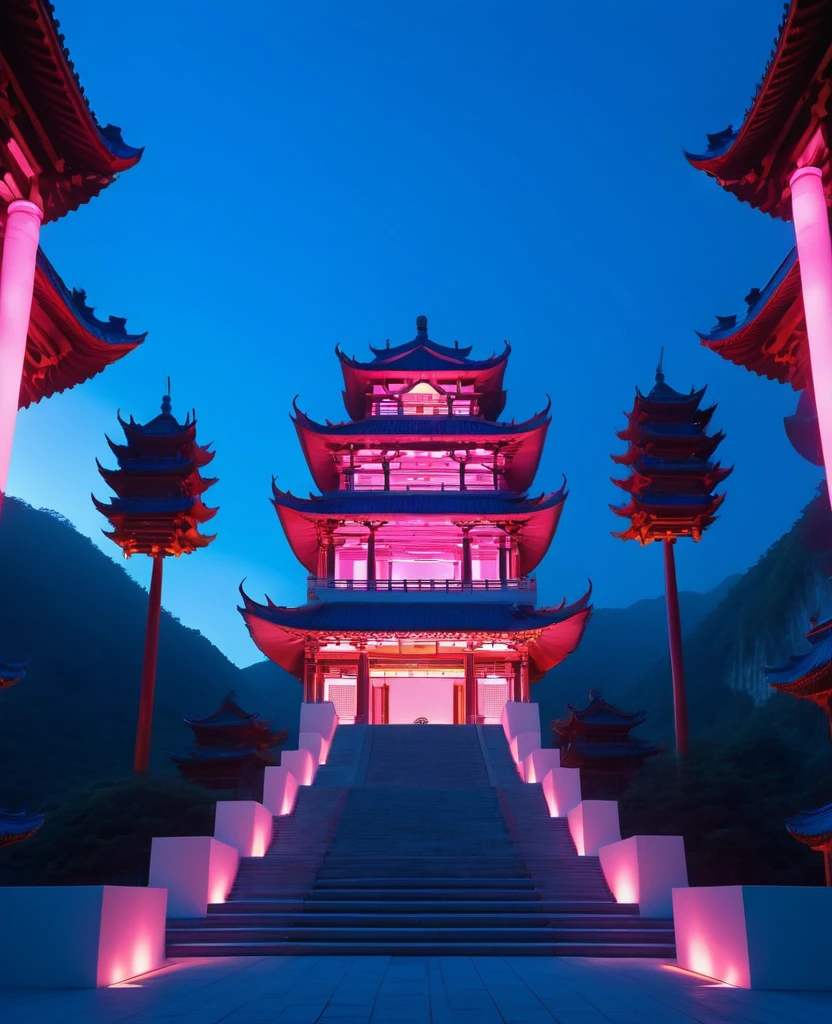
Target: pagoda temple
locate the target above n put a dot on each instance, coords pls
(778, 162)
(54, 156)
(231, 749)
(598, 740)
(421, 547)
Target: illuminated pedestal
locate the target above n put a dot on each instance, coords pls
(196, 871)
(80, 936)
(539, 762)
(756, 936)
(321, 719)
(520, 718)
(593, 824)
(561, 790)
(280, 790)
(645, 870)
(244, 824)
(301, 764)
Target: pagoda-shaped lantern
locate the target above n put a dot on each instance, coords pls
(598, 740)
(157, 511)
(15, 826)
(231, 749)
(671, 486)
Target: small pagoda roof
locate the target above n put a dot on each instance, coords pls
(814, 827)
(11, 672)
(770, 338)
(522, 443)
(51, 118)
(551, 633)
(809, 674)
(537, 517)
(424, 360)
(229, 713)
(752, 162)
(599, 713)
(15, 826)
(67, 344)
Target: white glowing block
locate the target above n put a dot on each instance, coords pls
(520, 717)
(561, 790)
(280, 790)
(244, 824)
(645, 870)
(196, 871)
(79, 936)
(593, 824)
(301, 764)
(540, 761)
(756, 936)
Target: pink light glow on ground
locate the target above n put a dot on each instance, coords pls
(811, 227)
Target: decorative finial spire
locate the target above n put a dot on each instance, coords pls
(659, 373)
(421, 325)
(166, 405)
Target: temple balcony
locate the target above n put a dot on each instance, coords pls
(522, 590)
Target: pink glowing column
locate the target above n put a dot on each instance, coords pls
(17, 282)
(814, 250)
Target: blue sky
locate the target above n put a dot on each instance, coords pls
(323, 172)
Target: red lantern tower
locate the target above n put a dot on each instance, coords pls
(157, 511)
(671, 487)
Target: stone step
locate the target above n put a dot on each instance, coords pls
(382, 918)
(469, 948)
(462, 905)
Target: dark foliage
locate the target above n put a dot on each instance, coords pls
(80, 620)
(731, 796)
(101, 833)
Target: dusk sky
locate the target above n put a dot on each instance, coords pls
(323, 172)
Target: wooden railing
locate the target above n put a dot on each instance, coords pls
(420, 586)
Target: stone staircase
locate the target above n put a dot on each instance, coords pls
(421, 840)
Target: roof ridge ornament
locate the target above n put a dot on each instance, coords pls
(659, 372)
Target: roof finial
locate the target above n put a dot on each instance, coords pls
(659, 374)
(421, 325)
(166, 406)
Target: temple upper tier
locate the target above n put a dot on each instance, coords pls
(423, 452)
(422, 377)
(755, 161)
(54, 136)
(507, 534)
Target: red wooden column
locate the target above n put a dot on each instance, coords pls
(151, 653)
(363, 709)
(309, 675)
(677, 667)
(524, 677)
(319, 681)
(518, 681)
(467, 569)
(471, 701)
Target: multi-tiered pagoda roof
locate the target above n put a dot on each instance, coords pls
(398, 369)
(672, 476)
(158, 507)
(808, 675)
(52, 137)
(598, 740)
(420, 547)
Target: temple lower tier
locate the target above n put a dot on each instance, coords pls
(430, 682)
(402, 661)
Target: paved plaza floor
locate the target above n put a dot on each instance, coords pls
(414, 990)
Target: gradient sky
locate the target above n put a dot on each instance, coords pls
(323, 172)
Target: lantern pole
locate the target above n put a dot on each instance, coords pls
(677, 665)
(151, 652)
